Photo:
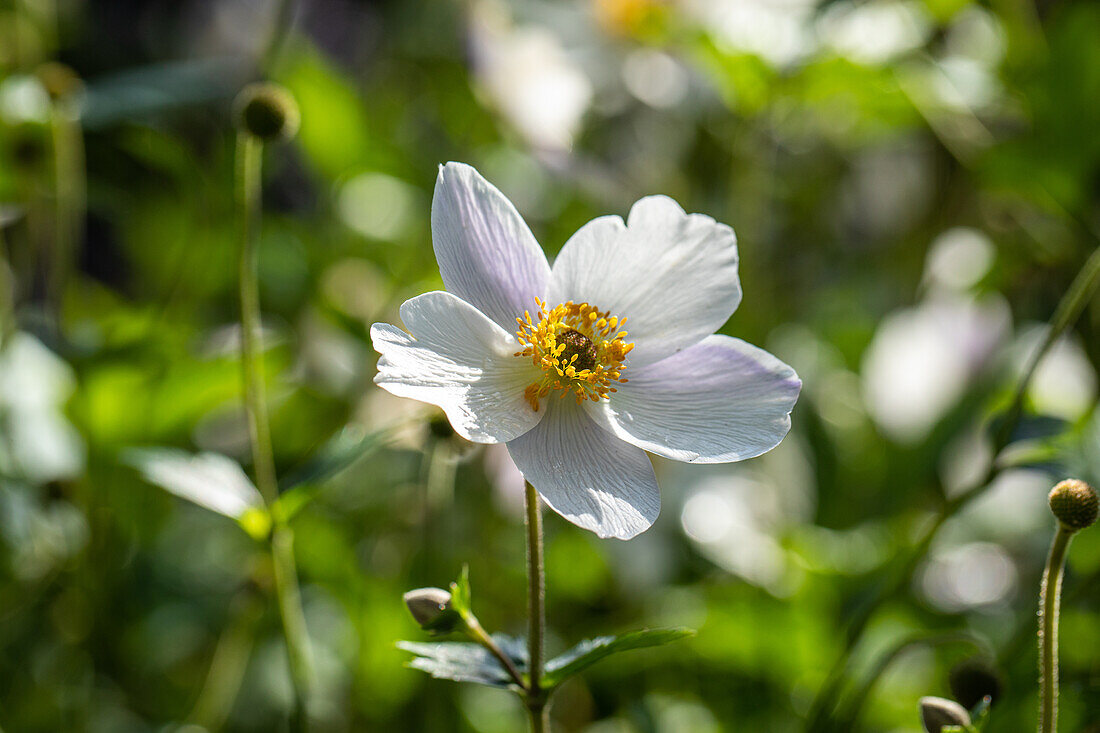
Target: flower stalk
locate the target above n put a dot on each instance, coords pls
(1049, 596)
(536, 699)
(1075, 506)
(248, 168)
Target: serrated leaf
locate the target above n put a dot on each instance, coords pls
(466, 661)
(590, 651)
(210, 480)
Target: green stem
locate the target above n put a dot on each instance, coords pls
(69, 198)
(1049, 594)
(478, 633)
(1066, 313)
(536, 616)
(249, 156)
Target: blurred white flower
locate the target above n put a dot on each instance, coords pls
(529, 77)
(1064, 384)
(873, 32)
(691, 396)
(655, 78)
(958, 259)
(922, 359)
(38, 443)
(975, 575)
(778, 31)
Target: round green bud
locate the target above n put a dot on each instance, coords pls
(267, 111)
(937, 713)
(1075, 504)
(972, 681)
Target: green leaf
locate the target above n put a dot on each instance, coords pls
(460, 592)
(347, 446)
(340, 451)
(466, 661)
(590, 651)
(210, 480)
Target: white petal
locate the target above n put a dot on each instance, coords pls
(719, 401)
(487, 255)
(210, 480)
(673, 275)
(460, 360)
(586, 474)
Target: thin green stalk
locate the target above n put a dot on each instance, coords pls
(537, 710)
(1066, 313)
(482, 637)
(69, 197)
(249, 156)
(1049, 595)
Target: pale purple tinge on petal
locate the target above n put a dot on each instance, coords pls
(486, 253)
(921, 360)
(586, 474)
(718, 401)
(458, 359)
(672, 275)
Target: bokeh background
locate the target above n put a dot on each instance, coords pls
(914, 184)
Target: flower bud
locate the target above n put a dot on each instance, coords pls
(1074, 503)
(936, 713)
(431, 607)
(972, 681)
(440, 427)
(267, 111)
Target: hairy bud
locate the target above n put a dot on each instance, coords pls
(1074, 503)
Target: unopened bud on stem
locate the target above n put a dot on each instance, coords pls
(1075, 504)
(937, 713)
(267, 111)
(431, 607)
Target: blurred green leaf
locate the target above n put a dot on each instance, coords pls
(590, 651)
(340, 451)
(210, 480)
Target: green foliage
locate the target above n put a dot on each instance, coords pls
(590, 651)
(467, 662)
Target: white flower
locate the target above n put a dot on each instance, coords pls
(583, 367)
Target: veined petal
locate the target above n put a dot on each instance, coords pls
(718, 401)
(487, 255)
(586, 474)
(460, 360)
(672, 275)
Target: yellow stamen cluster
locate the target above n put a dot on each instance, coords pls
(578, 347)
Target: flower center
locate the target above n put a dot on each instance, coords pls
(577, 347)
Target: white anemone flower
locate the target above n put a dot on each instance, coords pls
(541, 358)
